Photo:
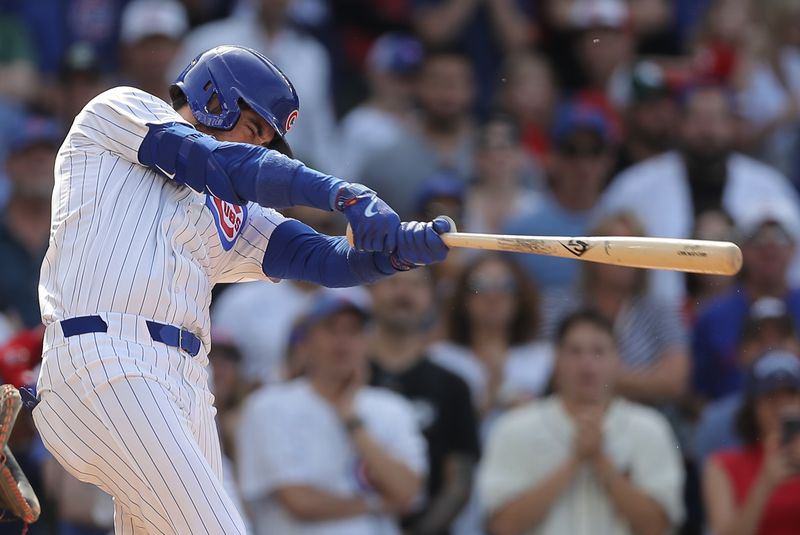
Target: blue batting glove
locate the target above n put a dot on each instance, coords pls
(374, 223)
(419, 244)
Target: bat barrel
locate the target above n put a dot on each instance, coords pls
(694, 256)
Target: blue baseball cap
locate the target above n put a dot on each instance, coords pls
(574, 116)
(395, 53)
(328, 303)
(36, 130)
(443, 184)
(774, 370)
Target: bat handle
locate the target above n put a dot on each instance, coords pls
(349, 232)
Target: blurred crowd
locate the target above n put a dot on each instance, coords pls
(490, 394)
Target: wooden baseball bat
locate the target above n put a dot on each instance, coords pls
(693, 256)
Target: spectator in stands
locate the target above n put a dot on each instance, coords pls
(324, 453)
(652, 338)
(770, 90)
(151, 33)
(768, 327)
(713, 225)
(528, 94)
(727, 37)
(487, 31)
(301, 57)
(493, 336)
(381, 121)
(259, 315)
(492, 341)
(667, 192)
(755, 489)
(604, 44)
(582, 461)
(649, 116)
(19, 79)
(503, 186)
(229, 386)
(442, 135)
(403, 308)
(25, 225)
(768, 243)
(79, 81)
(577, 171)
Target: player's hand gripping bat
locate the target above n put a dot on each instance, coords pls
(693, 256)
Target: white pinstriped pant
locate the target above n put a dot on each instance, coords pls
(136, 418)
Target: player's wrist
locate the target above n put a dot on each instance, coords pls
(347, 194)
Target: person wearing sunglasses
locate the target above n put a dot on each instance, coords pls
(577, 171)
(492, 342)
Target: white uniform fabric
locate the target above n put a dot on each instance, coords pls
(657, 192)
(529, 443)
(309, 446)
(117, 409)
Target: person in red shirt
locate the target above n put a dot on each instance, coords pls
(755, 489)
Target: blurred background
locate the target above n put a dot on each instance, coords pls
(675, 118)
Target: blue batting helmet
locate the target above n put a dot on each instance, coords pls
(234, 74)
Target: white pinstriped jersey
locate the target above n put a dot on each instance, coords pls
(126, 239)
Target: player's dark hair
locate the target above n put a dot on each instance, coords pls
(177, 97)
(583, 316)
(525, 324)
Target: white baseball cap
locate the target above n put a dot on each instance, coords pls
(758, 214)
(145, 18)
(599, 13)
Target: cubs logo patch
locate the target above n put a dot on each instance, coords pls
(229, 219)
(290, 121)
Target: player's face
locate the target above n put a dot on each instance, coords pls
(251, 128)
(586, 364)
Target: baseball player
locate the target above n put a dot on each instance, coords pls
(152, 206)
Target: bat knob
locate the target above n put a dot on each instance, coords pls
(449, 222)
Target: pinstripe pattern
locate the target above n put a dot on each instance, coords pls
(126, 239)
(118, 410)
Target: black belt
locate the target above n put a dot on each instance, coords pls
(159, 332)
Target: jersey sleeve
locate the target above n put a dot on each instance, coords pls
(116, 120)
(247, 254)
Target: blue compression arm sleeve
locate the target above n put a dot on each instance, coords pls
(296, 251)
(235, 172)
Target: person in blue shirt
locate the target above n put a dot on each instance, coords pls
(768, 246)
(577, 172)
